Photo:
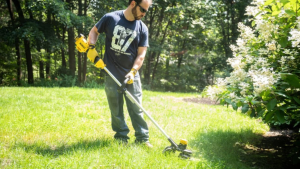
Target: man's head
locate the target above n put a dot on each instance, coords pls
(137, 1)
(139, 8)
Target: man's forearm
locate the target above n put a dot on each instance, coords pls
(138, 62)
(140, 58)
(93, 36)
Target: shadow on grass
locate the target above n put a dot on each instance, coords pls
(221, 148)
(46, 150)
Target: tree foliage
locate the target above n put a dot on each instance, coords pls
(188, 40)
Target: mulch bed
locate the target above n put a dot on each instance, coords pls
(277, 149)
(200, 100)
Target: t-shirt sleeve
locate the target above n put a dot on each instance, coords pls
(144, 39)
(100, 25)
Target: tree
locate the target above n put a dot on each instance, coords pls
(17, 46)
(163, 21)
(71, 45)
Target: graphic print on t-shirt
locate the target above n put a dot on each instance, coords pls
(118, 43)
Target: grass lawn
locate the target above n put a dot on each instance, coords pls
(70, 128)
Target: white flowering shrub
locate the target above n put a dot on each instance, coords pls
(265, 81)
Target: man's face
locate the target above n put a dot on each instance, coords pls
(139, 11)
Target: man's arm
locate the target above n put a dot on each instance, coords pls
(93, 36)
(92, 54)
(140, 58)
(137, 64)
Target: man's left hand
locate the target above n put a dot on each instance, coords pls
(131, 75)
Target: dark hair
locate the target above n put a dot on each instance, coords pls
(137, 1)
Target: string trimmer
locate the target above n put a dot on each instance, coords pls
(82, 46)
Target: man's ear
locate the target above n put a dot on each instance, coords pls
(132, 4)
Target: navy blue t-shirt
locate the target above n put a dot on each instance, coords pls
(123, 38)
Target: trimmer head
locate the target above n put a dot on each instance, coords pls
(181, 147)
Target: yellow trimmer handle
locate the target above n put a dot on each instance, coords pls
(82, 46)
(99, 63)
(81, 43)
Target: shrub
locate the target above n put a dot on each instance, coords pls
(59, 81)
(265, 81)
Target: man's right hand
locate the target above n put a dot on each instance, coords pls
(92, 53)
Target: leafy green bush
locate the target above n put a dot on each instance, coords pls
(92, 84)
(265, 79)
(59, 81)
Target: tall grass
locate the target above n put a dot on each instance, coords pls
(70, 128)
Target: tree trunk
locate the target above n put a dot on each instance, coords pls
(63, 58)
(71, 45)
(17, 46)
(26, 44)
(147, 70)
(228, 23)
(79, 54)
(224, 44)
(28, 53)
(233, 28)
(84, 66)
(180, 56)
(161, 43)
(41, 68)
(41, 62)
(28, 61)
(48, 51)
(167, 68)
(19, 61)
(48, 61)
(79, 68)
(151, 35)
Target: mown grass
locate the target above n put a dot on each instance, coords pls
(70, 128)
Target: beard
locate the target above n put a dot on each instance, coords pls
(134, 12)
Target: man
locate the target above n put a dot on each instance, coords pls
(125, 49)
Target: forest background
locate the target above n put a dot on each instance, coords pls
(189, 41)
(252, 45)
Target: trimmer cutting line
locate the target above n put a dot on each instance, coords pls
(82, 46)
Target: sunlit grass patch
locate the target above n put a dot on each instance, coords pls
(70, 128)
